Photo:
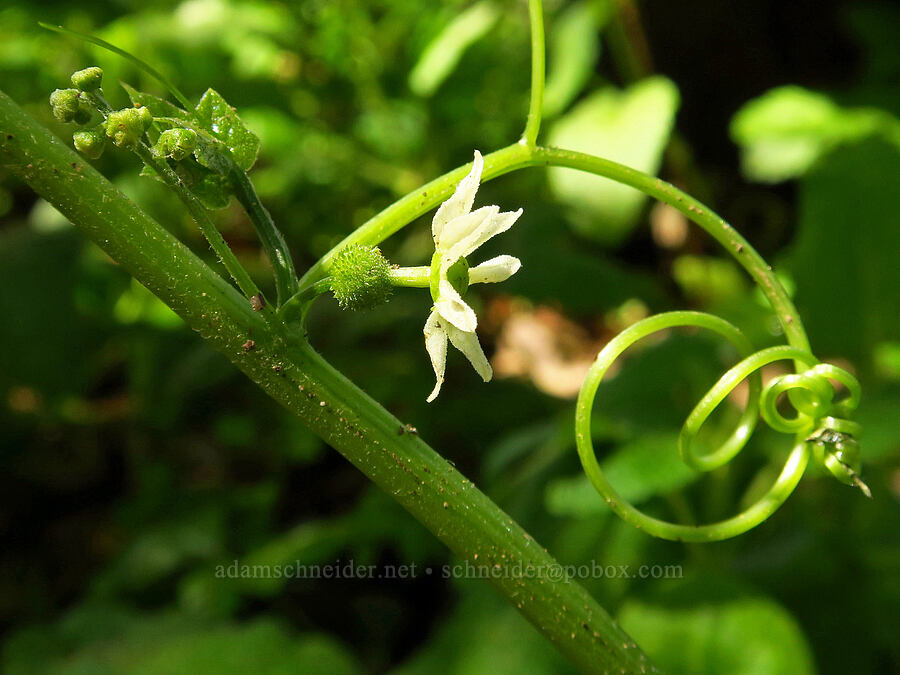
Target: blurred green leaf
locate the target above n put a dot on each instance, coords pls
(638, 470)
(45, 342)
(484, 635)
(631, 127)
(440, 57)
(574, 47)
(783, 132)
(887, 360)
(709, 280)
(845, 254)
(138, 304)
(110, 641)
(749, 636)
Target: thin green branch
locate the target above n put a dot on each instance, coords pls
(295, 307)
(538, 56)
(142, 65)
(517, 156)
(419, 202)
(700, 214)
(272, 239)
(201, 217)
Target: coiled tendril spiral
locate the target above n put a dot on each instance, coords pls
(820, 426)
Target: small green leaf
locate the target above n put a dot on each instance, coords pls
(221, 120)
(441, 56)
(159, 107)
(213, 155)
(631, 127)
(211, 188)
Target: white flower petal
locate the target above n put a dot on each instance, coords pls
(462, 199)
(501, 222)
(463, 226)
(436, 346)
(494, 270)
(453, 309)
(468, 344)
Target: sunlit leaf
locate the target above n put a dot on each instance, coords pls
(783, 132)
(631, 127)
(443, 53)
(574, 47)
(222, 121)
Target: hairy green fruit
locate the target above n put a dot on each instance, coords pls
(88, 79)
(90, 143)
(176, 143)
(360, 277)
(125, 127)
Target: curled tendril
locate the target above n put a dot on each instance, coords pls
(819, 426)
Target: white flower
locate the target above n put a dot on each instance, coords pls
(457, 232)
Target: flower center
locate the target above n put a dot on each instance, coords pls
(458, 276)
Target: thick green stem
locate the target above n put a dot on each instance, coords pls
(273, 241)
(536, 105)
(287, 368)
(201, 217)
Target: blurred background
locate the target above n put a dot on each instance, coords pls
(134, 459)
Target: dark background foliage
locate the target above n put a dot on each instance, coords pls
(134, 460)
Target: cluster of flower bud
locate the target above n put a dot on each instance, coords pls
(78, 104)
(71, 105)
(126, 127)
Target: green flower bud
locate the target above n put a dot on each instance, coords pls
(176, 143)
(71, 105)
(360, 277)
(125, 127)
(88, 79)
(90, 143)
(65, 103)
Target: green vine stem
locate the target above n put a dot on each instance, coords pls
(286, 367)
